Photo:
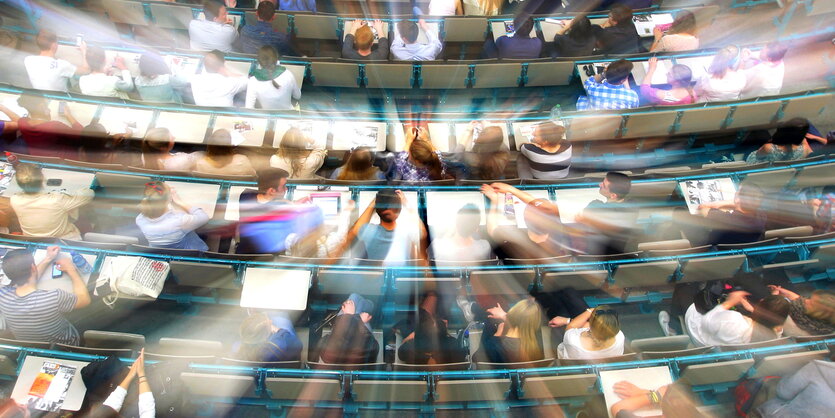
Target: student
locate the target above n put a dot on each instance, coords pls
(217, 85)
(156, 83)
(99, 146)
(725, 222)
(221, 159)
(806, 393)
(271, 85)
(45, 71)
(483, 7)
(576, 39)
(429, 341)
(609, 224)
(358, 166)
(298, 156)
(169, 222)
(722, 326)
(679, 79)
(113, 404)
(351, 340)
(814, 315)
(46, 214)
(788, 143)
(157, 155)
(272, 186)
(519, 45)
(681, 36)
(463, 243)
(593, 334)
(486, 156)
(609, 90)
(419, 161)
(764, 72)
(33, 314)
(547, 156)
(215, 31)
(261, 34)
(406, 47)
(516, 337)
(99, 82)
(723, 81)
(45, 136)
(618, 34)
(267, 338)
(359, 43)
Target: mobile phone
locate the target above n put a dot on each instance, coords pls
(53, 182)
(56, 272)
(79, 39)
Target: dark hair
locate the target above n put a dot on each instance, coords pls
(525, 28)
(212, 9)
(622, 14)
(152, 65)
(265, 10)
(468, 220)
(95, 57)
(387, 199)
(771, 311)
(359, 165)
(580, 28)
(552, 133)
(618, 71)
(422, 152)
(750, 197)
(269, 178)
(31, 103)
(775, 51)
(408, 30)
(267, 57)
(45, 39)
(619, 183)
(707, 298)
(214, 61)
(685, 22)
(97, 144)
(156, 143)
(491, 154)
(17, 265)
(792, 132)
(219, 149)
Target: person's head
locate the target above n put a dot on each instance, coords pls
(791, 133)
(424, 156)
(97, 145)
(618, 71)
(749, 197)
(821, 306)
(581, 28)
(409, 31)
(157, 142)
(215, 11)
(468, 220)
(47, 41)
(19, 267)
(9, 40)
(615, 186)
(771, 311)
(526, 317)
(272, 182)
(219, 149)
(37, 106)
(255, 331)
(524, 28)
(541, 217)
(152, 65)
(29, 177)
(265, 11)
(155, 199)
(96, 58)
(214, 61)
(680, 76)
(387, 205)
(775, 51)
(548, 134)
(359, 165)
(268, 59)
(725, 60)
(604, 323)
(294, 148)
(363, 38)
(685, 22)
(620, 15)
(707, 298)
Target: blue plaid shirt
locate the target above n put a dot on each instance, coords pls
(261, 33)
(603, 96)
(406, 171)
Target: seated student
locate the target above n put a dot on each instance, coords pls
(406, 47)
(679, 79)
(723, 80)
(676, 400)
(593, 334)
(146, 405)
(100, 82)
(823, 210)
(428, 341)
(419, 161)
(482, 7)
(561, 306)
(156, 82)
(805, 393)
(33, 314)
(297, 5)
(788, 143)
(764, 72)
(99, 146)
(681, 35)
(515, 337)
(272, 85)
(485, 155)
(351, 340)
(298, 156)
(609, 90)
(261, 34)
(618, 34)
(272, 186)
(266, 338)
(734, 222)
(517, 45)
(359, 43)
(167, 221)
(45, 71)
(464, 242)
(46, 214)
(575, 39)
(157, 155)
(609, 224)
(217, 85)
(213, 32)
(359, 165)
(814, 315)
(45, 136)
(547, 156)
(722, 326)
(220, 157)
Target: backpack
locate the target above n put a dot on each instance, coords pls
(749, 394)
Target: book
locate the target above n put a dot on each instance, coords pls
(696, 192)
(50, 387)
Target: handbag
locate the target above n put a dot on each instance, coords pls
(131, 276)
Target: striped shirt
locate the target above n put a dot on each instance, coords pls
(38, 315)
(603, 96)
(541, 164)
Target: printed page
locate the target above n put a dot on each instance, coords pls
(50, 387)
(697, 192)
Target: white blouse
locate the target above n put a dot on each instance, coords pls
(572, 346)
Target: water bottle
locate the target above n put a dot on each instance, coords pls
(81, 263)
(556, 114)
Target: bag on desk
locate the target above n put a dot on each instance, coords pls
(131, 276)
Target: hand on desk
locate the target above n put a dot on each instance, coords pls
(52, 252)
(66, 265)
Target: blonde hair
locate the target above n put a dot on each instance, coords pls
(155, 200)
(359, 165)
(29, 177)
(604, 323)
(293, 149)
(526, 317)
(823, 306)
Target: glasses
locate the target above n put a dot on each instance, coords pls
(156, 185)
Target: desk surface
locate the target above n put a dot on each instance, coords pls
(462, 130)
(71, 181)
(348, 135)
(439, 133)
(248, 132)
(573, 201)
(645, 377)
(31, 368)
(499, 30)
(442, 209)
(346, 29)
(46, 282)
(187, 128)
(267, 288)
(119, 119)
(203, 195)
(317, 130)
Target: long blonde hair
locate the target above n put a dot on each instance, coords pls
(293, 149)
(526, 318)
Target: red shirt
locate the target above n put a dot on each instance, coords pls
(50, 139)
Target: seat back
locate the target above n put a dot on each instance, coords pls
(444, 76)
(118, 352)
(497, 75)
(483, 365)
(584, 128)
(701, 119)
(189, 347)
(773, 180)
(389, 76)
(770, 343)
(110, 339)
(712, 373)
(754, 114)
(205, 275)
(414, 391)
(651, 355)
(335, 74)
(807, 107)
(108, 238)
(658, 123)
(797, 231)
(127, 12)
(304, 389)
(676, 244)
(550, 387)
(652, 190)
(783, 364)
(411, 288)
(23, 343)
(579, 280)
(319, 27)
(613, 359)
(180, 252)
(344, 282)
(671, 343)
(815, 176)
(464, 29)
(317, 365)
(169, 16)
(655, 273)
(477, 390)
(267, 364)
(501, 282)
(763, 243)
(549, 74)
(214, 385)
(711, 268)
(112, 246)
(402, 367)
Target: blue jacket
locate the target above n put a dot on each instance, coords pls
(297, 5)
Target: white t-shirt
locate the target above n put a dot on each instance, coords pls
(764, 79)
(572, 348)
(47, 73)
(104, 85)
(206, 35)
(712, 89)
(309, 166)
(270, 97)
(694, 319)
(442, 7)
(213, 89)
(721, 326)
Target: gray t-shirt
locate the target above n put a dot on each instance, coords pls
(382, 244)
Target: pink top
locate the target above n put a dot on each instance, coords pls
(662, 97)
